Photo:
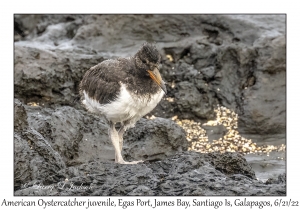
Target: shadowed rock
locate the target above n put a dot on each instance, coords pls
(237, 61)
(187, 173)
(231, 60)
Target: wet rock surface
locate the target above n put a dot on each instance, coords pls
(187, 173)
(212, 64)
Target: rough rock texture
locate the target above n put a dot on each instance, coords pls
(47, 77)
(236, 61)
(53, 139)
(20, 116)
(187, 173)
(154, 140)
(80, 137)
(34, 158)
(230, 164)
(58, 162)
(76, 135)
(280, 179)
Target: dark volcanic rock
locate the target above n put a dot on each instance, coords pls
(154, 140)
(186, 173)
(20, 116)
(22, 157)
(78, 137)
(34, 158)
(46, 77)
(47, 160)
(237, 61)
(191, 103)
(51, 139)
(81, 137)
(232, 60)
(281, 179)
(265, 102)
(231, 163)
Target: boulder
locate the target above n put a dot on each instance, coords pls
(154, 140)
(234, 61)
(237, 61)
(81, 137)
(34, 158)
(46, 77)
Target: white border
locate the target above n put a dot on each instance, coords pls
(8, 8)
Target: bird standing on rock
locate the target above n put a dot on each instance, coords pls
(123, 91)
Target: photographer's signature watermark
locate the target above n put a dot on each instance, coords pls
(60, 185)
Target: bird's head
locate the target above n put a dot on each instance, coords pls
(147, 60)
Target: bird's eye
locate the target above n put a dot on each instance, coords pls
(144, 61)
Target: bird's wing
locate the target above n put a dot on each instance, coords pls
(102, 82)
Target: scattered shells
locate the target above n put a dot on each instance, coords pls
(169, 99)
(33, 104)
(151, 117)
(232, 141)
(169, 57)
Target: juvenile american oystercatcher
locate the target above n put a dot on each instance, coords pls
(123, 91)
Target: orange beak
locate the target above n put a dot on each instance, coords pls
(155, 76)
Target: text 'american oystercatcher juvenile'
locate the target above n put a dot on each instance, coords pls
(124, 90)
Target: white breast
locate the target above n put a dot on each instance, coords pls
(127, 106)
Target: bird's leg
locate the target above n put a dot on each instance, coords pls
(121, 133)
(114, 136)
(117, 141)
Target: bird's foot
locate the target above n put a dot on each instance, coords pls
(133, 162)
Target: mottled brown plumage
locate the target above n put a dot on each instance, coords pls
(102, 82)
(123, 90)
